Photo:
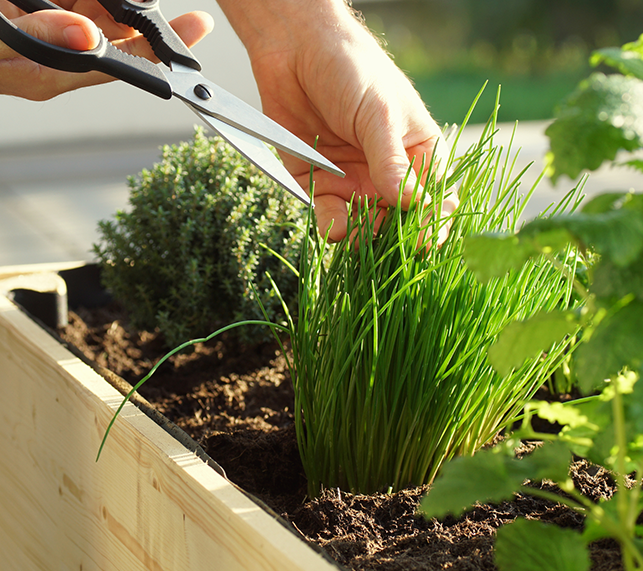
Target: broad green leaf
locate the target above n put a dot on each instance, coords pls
(549, 462)
(616, 234)
(485, 477)
(616, 343)
(497, 477)
(522, 340)
(604, 115)
(626, 61)
(615, 282)
(633, 404)
(530, 545)
(493, 255)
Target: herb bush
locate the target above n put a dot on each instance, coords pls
(199, 232)
(390, 369)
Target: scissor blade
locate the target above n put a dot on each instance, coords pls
(257, 153)
(231, 110)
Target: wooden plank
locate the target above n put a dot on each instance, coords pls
(12, 271)
(149, 503)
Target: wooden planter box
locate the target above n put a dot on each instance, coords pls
(149, 503)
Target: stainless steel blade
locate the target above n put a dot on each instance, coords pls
(211, 100)
(257, 153)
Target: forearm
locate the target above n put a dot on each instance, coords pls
(260, 23)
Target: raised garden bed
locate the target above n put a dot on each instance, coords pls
(151, 503)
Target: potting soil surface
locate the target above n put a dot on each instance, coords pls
(238, 404)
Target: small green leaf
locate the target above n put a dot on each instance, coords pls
(582, 438)
(603, 116)
(616, 343)
(522, 340)
(562, 413)
(605, 202)
(615, 282)
(595, 529)
(529, 545)
(636, 164)
(616, 234)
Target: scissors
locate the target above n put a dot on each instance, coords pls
(244, 127)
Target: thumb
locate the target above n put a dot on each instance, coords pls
(60, 28)
(389, 165)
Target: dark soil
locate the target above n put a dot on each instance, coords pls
(238, 404)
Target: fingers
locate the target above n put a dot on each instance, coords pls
(191, 28)
(24, 78)
(332, 216)
(57, 27)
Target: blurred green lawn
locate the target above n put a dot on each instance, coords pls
(449, 94)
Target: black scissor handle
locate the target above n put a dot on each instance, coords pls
(105, 58)
(146, 17)
(34, 5)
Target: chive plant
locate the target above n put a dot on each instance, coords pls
(391, 374)
(389, 343)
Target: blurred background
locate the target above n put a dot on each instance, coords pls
(64, 162)
(536, 49)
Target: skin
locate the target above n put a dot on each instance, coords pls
(77, 29)
(319, 72)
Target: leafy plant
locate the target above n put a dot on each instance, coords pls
(603, 116)
(606, 429)
(390, 370)
(200, 229)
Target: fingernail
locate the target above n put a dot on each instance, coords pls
(77, 38)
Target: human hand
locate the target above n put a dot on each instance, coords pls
(77, 28)
(320, 72)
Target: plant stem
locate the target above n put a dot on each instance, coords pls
(552, 497)
(624, 494)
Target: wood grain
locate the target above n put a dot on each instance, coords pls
(149, 503)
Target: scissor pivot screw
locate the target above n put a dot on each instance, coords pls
(202, 91)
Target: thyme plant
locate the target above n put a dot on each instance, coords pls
(193, 250)
(391, 373)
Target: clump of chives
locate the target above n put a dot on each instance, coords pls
(391, 374)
